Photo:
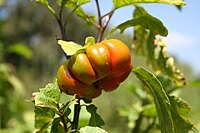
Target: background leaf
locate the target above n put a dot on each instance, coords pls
(160, 97)
(95, 119)
(70, 48)
(21, 49)
(89, 129)
(121, 3)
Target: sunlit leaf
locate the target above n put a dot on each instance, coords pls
(161, 100)
(95, 119)
(21, 49)
(72, 3)
(121, 3)
(70, 48)
(89, 129)
(145, 20)
(180, 114)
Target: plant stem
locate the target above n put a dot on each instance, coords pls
(62, 117)
(102, 26)
(61, 25)
(77, 108)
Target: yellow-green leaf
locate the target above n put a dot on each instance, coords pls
(70, 48)
(121, 3)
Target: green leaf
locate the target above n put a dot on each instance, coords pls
(48, 97)
(145, 20)
(89, 129)
(70, 48)
(21, 49)
(44, 2)
(62, 3)
(46, 101)
(95, 119)
(160, 97)
(167, 83)
(56, 126)
(121, 3)
(74, 5)
(43, 119)
(89, 41)
(180, 114)
(149, 110)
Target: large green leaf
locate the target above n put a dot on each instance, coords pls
(155, 51)
(160, 97)
(95, 119)
(121, 3)
(89, 129)
(145, 20)
(173, 112)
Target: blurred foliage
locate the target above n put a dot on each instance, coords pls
(30, 56)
